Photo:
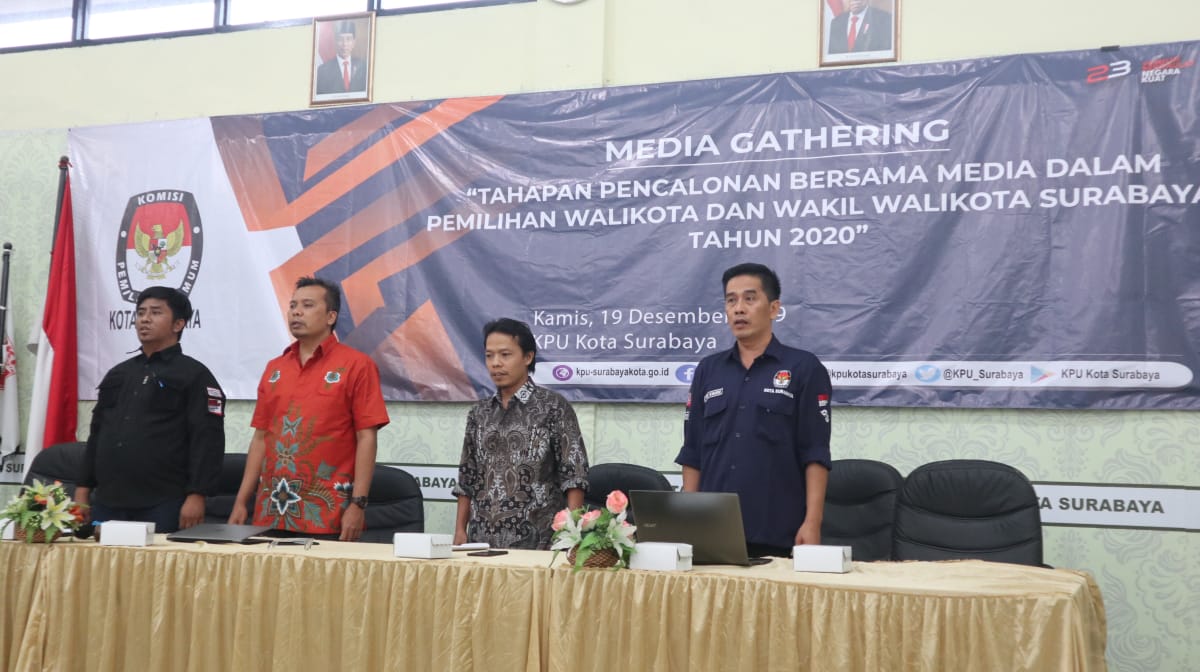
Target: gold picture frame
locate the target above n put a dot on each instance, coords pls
(854, 32)
(343, 67)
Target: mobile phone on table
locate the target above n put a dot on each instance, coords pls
(488, 553)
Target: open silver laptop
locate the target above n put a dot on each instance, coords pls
(217, 533)
(710, 521)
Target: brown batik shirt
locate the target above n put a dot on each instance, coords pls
(517, 465)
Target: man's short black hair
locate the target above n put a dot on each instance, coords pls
(349, 27)
(518, 330)
(333, 294)
(770, 281)
(177, 301)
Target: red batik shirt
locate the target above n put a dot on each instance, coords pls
(310, 415)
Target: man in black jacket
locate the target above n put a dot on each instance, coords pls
(158, 429)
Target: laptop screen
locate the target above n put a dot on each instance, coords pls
(710, 521)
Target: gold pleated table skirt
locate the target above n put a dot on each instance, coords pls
(75, 605)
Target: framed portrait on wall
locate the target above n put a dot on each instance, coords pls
(859, 31)
(342, 63)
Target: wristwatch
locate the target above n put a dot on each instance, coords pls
(360, 502)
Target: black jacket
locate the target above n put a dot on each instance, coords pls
(158, 432)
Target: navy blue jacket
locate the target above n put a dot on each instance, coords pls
(755, 431)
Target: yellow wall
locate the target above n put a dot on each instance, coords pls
(1150, 579)
(537, 46)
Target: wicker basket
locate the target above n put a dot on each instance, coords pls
(601, 559)
(38, 536)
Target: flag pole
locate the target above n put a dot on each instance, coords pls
(63, 165)
(10, 415)
(8, 247)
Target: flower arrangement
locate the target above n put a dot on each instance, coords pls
(589, 532)
(45, 508)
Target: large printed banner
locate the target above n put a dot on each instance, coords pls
(1018, 231)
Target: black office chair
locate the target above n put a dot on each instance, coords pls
(968, 509)
(60, 462)
(394, 504)
(217, 507)
(860, 505)
(604, 478)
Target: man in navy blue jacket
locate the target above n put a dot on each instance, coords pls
(758, 422)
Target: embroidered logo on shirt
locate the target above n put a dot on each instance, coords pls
(713, 394)
(334, 377)
(215, 393)
(782, 378)
(274, 376)
(822, 400)
(216, 407)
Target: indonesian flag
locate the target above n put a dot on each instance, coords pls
(54, 408)
(835, 7)
(10, 421)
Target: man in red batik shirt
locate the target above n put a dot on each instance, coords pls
(319, 410)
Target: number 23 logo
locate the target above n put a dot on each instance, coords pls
(1101, 73)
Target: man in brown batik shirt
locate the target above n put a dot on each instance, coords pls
(523, 457)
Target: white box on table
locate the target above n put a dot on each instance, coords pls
(126, 533)
(811, 558)
(421, 545)
(662, 556)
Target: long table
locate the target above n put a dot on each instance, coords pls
(75, 605)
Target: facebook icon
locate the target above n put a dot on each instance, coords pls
(684, 373)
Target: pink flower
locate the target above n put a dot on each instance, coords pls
(616, 502)
(589, 519)
(560, 519)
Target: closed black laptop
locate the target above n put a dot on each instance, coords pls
(216, 533)
(710, 521)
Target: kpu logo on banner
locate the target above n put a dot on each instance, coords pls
(160, 243)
